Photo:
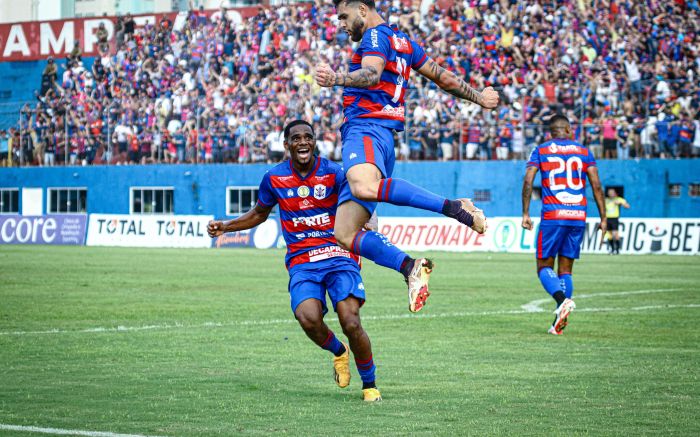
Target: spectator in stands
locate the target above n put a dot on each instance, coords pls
(4, 148)
(615, 66)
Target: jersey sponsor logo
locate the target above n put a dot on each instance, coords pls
(353, 155)
(400, 44)
(319, 191)
(314, 220)
(284, 178)
(327, 252)
(569, 148)
(290, 193)
(374, 36)
(568, 198)
(305, 204)
(361, 286)
(303, 191)
(398, 112)
(313, 234)
(565, 214)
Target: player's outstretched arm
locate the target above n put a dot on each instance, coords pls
(248, 220)
(365, 77)
(527, 195)
(592, 173)
(449, 82)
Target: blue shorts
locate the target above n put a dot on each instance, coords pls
(559, 240)
(313, 282)
(366, 143)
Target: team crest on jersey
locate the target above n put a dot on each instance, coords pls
(303, 191)
(401, 45)
(319, 191)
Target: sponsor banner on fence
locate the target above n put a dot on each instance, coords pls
(265, 236)
(39, 39)
(423, 233)
(45, 229)
(148, 230)
(505, 234)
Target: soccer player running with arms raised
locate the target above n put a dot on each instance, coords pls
(306, 188)
(373, 100)
(564, 165)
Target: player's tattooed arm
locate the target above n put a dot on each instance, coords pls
(527, 195)
(452, 84)
(363, 78)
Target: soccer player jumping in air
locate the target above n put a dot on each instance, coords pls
(373, 97)
(564, 165)
(306, 188)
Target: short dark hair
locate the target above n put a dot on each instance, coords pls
(368, 3)
(557, 120)
(297, 122)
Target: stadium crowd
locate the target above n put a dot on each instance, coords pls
(209, 90)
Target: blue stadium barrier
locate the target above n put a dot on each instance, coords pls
(202, 189)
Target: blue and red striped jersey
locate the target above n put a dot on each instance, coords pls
(383, 103)
(307, 210)
(563, 164)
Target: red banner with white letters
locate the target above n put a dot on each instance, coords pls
(40, 39)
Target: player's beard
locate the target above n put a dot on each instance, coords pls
(356, 30)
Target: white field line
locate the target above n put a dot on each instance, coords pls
(536, 305)
(58, 431)
(529, 309)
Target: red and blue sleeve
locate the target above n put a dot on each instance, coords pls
(534, 160)
(375, 43)
(266, 195)
(591, 159)
(419, 57)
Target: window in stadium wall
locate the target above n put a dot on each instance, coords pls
(694, 190)
(151, 200)
(67, 201)
(240, 200)
(674, 190)
(9, 201)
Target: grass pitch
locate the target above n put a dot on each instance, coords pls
(202, 342)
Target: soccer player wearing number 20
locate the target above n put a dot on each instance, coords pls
(373, 101)
(564, 165)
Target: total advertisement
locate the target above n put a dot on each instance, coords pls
(46, 229)
(264, 236)
(148, 230)
(505, 234)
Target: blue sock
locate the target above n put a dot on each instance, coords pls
(403, 193)
(376, 247)
(366, 369)
(567, 283)
(333, 345)
(550, 280)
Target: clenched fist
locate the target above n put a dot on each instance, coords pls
(324, 76)
(489, 98)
